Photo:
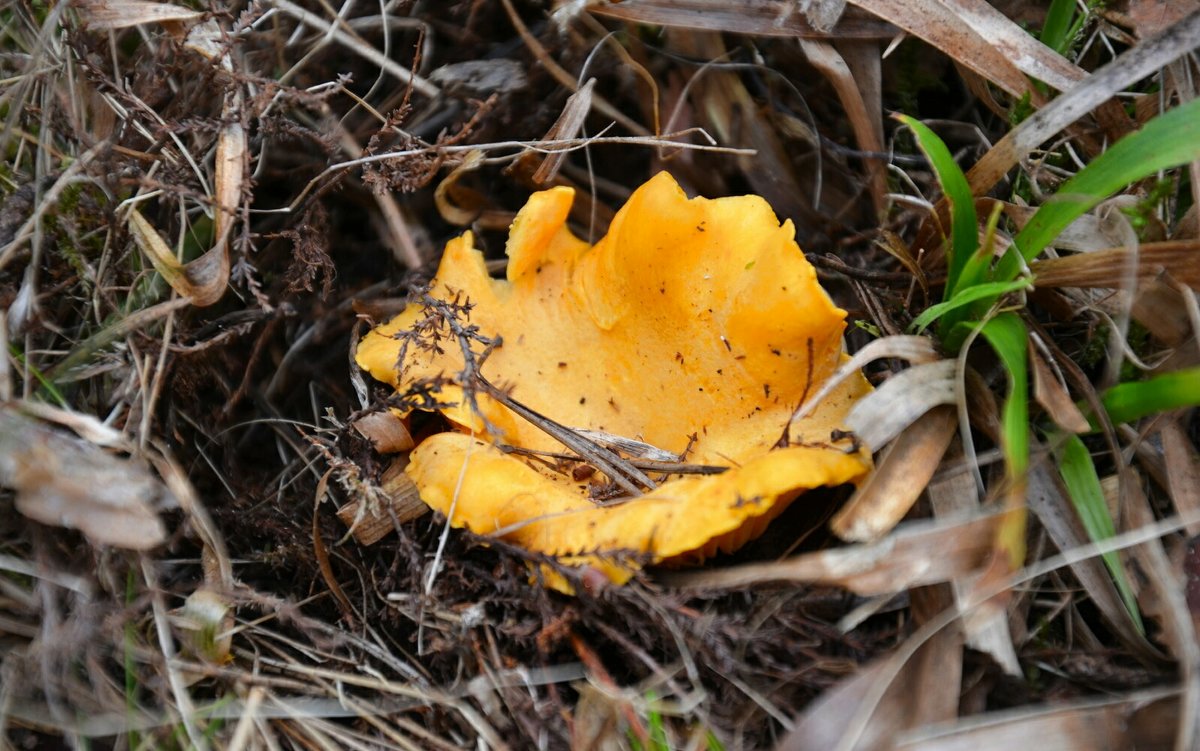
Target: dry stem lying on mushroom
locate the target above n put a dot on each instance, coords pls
(693, 330)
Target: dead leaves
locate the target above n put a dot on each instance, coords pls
(71, 482)
(695, 326)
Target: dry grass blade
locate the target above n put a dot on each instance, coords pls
(1052, 395)
(1163, 598)
(985, 629)
(916, 554)
(862, 109)
(1048, 501)
(568, 125)
(912, 349)
(460, 205)
(1089, 232)
(883, 414)
(1142, 719)
(1109, 268)
(769, 19)
(230, 167)
(915, 695)
(1183, 470)
(69, 482)
(898, 480)
(1033, 57)
(949, 31)
(1132, 65)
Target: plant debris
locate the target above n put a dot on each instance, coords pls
(204, 208)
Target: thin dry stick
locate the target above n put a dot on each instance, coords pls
(369, 53)
(241, 734)
(5, 363)
(565, 78)
(165, 643)
(649, 465)
(622, 472)
(543, 146)
(155, 390)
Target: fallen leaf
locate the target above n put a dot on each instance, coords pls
(695, 327)
(120, 14)
(70, 482)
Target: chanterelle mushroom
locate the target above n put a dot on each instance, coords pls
(695, 326)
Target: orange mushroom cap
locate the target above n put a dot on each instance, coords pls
(694, 325)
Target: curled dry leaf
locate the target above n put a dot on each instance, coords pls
(901, 400)
(206, 622)
(69, 482)
(201, 281)
(121, 14)
(695, 326)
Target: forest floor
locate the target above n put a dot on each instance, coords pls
(207, 205)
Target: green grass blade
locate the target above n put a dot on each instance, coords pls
(1169, 140)
(1083, 486)
(962, 264)
(1127, 402)
(1056, 29)
(49, 388)
(1006, 333)
(989, 291)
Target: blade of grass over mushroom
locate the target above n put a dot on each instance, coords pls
(619, 470)
(885, 413)
(1127, 402)
(1167, 141)
(913, 349)
(1083, 487)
